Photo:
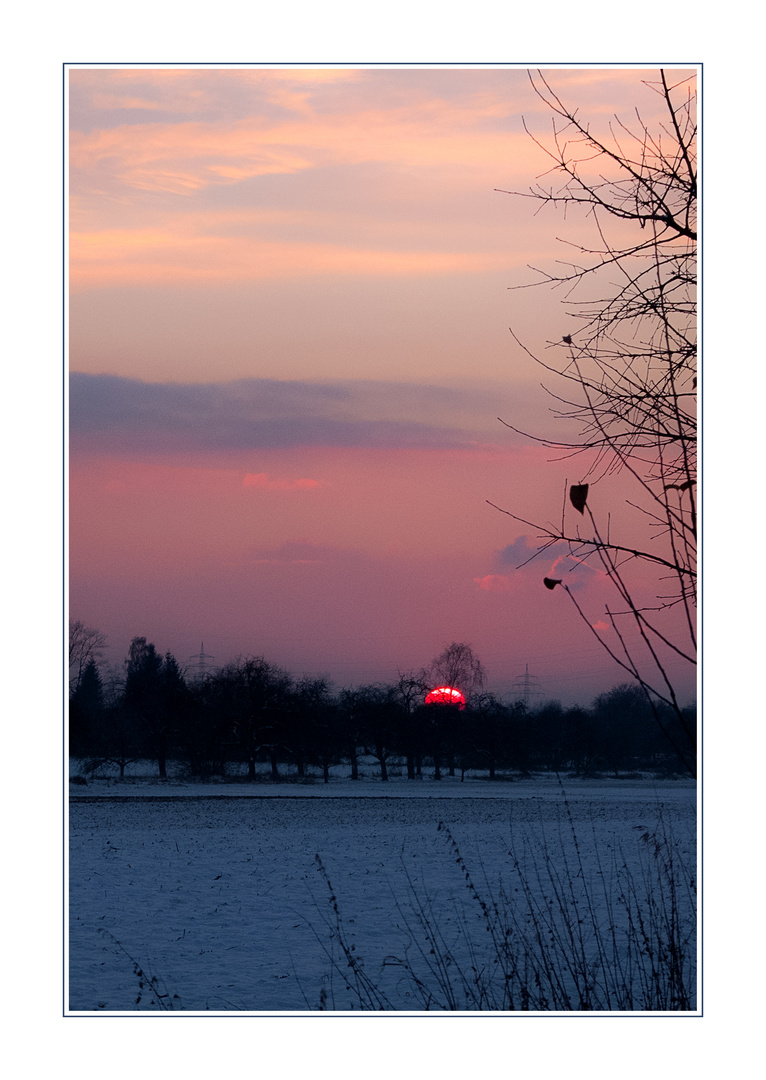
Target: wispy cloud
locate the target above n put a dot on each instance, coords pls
(246, 124)
(381, 174)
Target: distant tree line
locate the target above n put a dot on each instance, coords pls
(251, 718)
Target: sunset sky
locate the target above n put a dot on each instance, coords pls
(290, 300)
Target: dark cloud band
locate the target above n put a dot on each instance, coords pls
(110, 413)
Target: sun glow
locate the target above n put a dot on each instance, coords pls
(445, 695)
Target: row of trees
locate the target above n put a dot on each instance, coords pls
(254, 718)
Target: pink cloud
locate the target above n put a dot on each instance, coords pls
(267, 483)
(495, 583)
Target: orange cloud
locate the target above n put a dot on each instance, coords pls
(142, 256)
(185, 90)
(139, 214)
(267, 483)
(429, 138)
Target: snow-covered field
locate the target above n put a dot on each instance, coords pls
(214, 889)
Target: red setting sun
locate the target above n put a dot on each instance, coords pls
(445, 695)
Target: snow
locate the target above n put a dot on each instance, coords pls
(214, 888)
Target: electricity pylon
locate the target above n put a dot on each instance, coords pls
(526, 687)
(200, 667)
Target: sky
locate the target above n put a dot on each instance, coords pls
(290, 301)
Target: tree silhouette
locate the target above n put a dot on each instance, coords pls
(350, 718)
(380, 715)
(458, 667)
(85, 644)
(204, 739)
(408, 693)
(86, 711)
(155, 693)
(253, 697)
(314, 733)
(627, 373)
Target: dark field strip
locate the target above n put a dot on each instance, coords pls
(273, 798)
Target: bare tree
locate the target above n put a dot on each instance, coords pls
(626, 366)
(85, 644)
(409, 691)
(458, 667)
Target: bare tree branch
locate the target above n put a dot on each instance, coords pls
(628, 363)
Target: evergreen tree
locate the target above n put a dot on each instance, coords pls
(86, 712)
(154, 694)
